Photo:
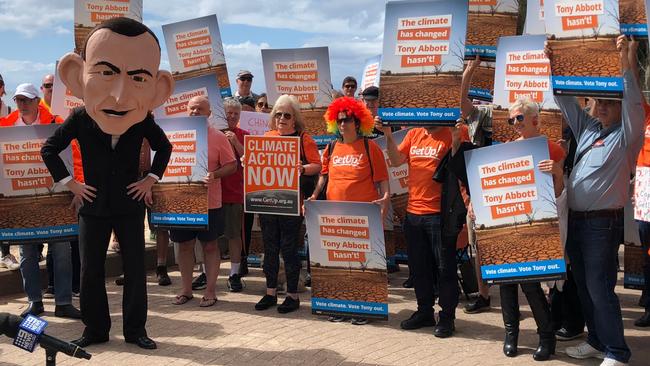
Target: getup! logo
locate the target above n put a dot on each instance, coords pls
(352, 160)
(426, 152)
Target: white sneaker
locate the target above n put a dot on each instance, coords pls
(612, 362)
(9, 261)
(584, 350)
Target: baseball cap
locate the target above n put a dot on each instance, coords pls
(244, 73)
(27, 90)
(370, 93)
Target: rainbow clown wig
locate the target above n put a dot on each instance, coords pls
(349, 107)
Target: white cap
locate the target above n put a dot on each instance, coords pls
(28, 90)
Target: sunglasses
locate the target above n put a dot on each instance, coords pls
(263, 105)
(246, 79)
(519, 118)
(350, 86)
(346, 120)
(283, 115)
(48, 85)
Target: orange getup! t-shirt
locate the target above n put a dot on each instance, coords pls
(644, 154)
(424, 152)
(348, 170)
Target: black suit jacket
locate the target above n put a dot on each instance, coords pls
(107, 169)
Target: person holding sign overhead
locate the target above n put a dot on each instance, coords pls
(281, 233)
(354, 168)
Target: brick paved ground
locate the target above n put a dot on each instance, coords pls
(233, 333)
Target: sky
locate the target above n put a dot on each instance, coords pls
(34, 34)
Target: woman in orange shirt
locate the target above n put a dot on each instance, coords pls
(281, 233)
(354, 168)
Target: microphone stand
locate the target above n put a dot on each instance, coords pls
(50, 357)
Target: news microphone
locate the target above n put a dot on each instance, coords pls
(28, 332)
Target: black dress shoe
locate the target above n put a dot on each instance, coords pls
(85, 341)
(67, 311)
(34, 308)
(564, 334)
(266, 302)
(480, 305)
(643, 321)
(418, 320)
(288, 305)
(408, 283)
(545, 349)
(510, 343)
(162, 276)
(445, 328)
(142, 342)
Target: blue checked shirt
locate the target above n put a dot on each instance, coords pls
(601, 179)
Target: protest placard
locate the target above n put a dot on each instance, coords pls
(34, 209)
(642, 191)
(195, 49)
(516, 213)
(397, 176)
(89, 13)
(271, 176)
(302, 72)
(487, 21)
(370, 75)
(186, 89)
(255, 123)
(180, 198)
(633, 18)
(422, 62)
(63, 102)
(523, 72)
(633, 277)
(348, 259)
(482, 85)
(582, 36)
(535, 18)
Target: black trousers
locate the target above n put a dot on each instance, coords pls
(94, 236)
(538, 304)
(281, 234)
(566, 310)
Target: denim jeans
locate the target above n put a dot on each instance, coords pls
(62, 272)
(432, 260)
(592, 246)
(644, 234)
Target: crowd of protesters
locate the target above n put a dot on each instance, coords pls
(593, 189)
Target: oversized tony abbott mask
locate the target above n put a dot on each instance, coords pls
(117, 74)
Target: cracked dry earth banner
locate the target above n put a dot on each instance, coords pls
(271, 176)
(33, 208)
(487, 21)
(422, 62)
(633, 18)
(89, 13)
(516, 213)
(180, 198)
(523, 72)
(582, 35)
(348, 259)
(195, 49)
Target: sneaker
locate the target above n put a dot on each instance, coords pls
(612, 362)
(480, 305)
(266, 302)
(234, 283)
(48, 293)
(418, 320)
(200, 282)
(584, 350)
(359, 321)
(10, 262)
(163, 277)
(567, 335)
(288, 305)
(337, 319)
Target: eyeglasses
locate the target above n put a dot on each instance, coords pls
(246, 78)
(47, 85)
(349, 86)
(519, 118)
(346, 120)
(262, 105)
(23, 100)
(283, 115)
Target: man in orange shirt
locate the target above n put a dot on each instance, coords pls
(423, 149)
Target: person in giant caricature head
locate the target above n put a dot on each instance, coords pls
(117, 74)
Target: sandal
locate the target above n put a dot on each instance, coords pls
(182, 299)
(206, 303)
